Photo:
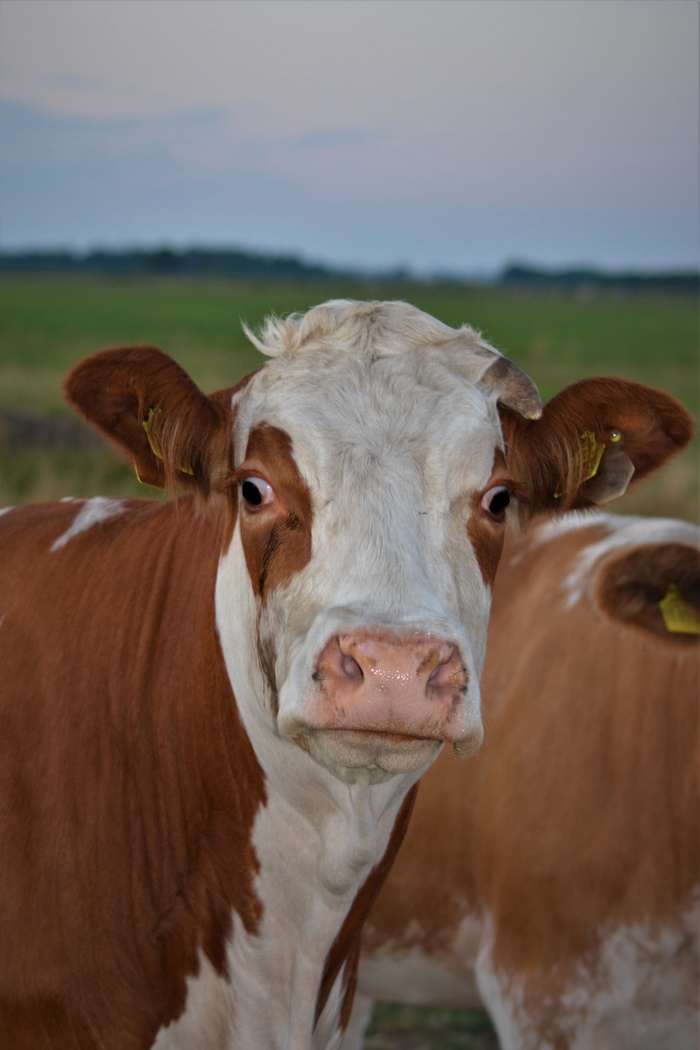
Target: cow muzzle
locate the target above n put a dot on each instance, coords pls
(387, 702)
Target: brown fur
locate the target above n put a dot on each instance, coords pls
(545, 455)
(130, 787)
(631, 587)
(135, 791)
(116, 389)
(580, 812)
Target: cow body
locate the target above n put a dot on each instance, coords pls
(554, 877)
(215, 709)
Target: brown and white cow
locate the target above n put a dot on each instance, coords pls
(555, 877)
(215, 709)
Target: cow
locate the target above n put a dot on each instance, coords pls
(554, 878)
(216, 707)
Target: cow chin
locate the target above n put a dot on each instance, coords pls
(364, 755)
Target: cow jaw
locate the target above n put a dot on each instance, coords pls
(354, 755)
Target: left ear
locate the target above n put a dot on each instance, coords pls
(595, 438)
(148, 406)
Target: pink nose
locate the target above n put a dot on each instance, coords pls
(385, 684)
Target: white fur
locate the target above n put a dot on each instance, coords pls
(637, 995)
(92, 512)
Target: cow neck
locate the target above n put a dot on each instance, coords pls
(320, 868)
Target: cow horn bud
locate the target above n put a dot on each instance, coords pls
(514, 387)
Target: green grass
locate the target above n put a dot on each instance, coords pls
(47, 324)
(397, 1027)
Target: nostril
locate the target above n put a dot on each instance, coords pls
(350, 668)
(448, 668)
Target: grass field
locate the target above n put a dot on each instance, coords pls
(47, 324)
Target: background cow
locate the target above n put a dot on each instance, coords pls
(554, 877)
(214, 709)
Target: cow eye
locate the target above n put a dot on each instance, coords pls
(256, 492)
(496, 500)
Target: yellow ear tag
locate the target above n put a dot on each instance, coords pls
(591, 455)
(679, 617)
(147, 425)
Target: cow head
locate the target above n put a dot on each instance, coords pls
(368, 466)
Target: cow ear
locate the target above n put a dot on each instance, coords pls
(148, 406)
(654, 586)
(594, 438)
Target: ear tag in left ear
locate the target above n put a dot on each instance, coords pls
(147, 424)
(149, 484)
(678, 615)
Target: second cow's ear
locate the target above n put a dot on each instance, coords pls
(148, 406)
(594, 439)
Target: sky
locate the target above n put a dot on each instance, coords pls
(440, 135)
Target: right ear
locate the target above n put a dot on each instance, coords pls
(595, 438)
(148, 406)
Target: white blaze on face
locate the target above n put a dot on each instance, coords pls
(395, 451)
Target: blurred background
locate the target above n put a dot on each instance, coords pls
(436, 137)
(169, 168)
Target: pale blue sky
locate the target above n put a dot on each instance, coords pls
(440, 134)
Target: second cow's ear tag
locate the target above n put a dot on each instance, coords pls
(678, 615)
(613, 469)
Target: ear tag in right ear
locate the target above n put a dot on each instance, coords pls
(591, 454)
(678, 615)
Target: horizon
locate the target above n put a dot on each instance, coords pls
(338, 269)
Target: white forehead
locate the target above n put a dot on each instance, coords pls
(379, 382)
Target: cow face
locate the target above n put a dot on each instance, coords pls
(368, 474)
(372, 492)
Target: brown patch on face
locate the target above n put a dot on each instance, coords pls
(630, 588)
(345, 949)
(276, 537)
(487, 531)
(267, 658)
